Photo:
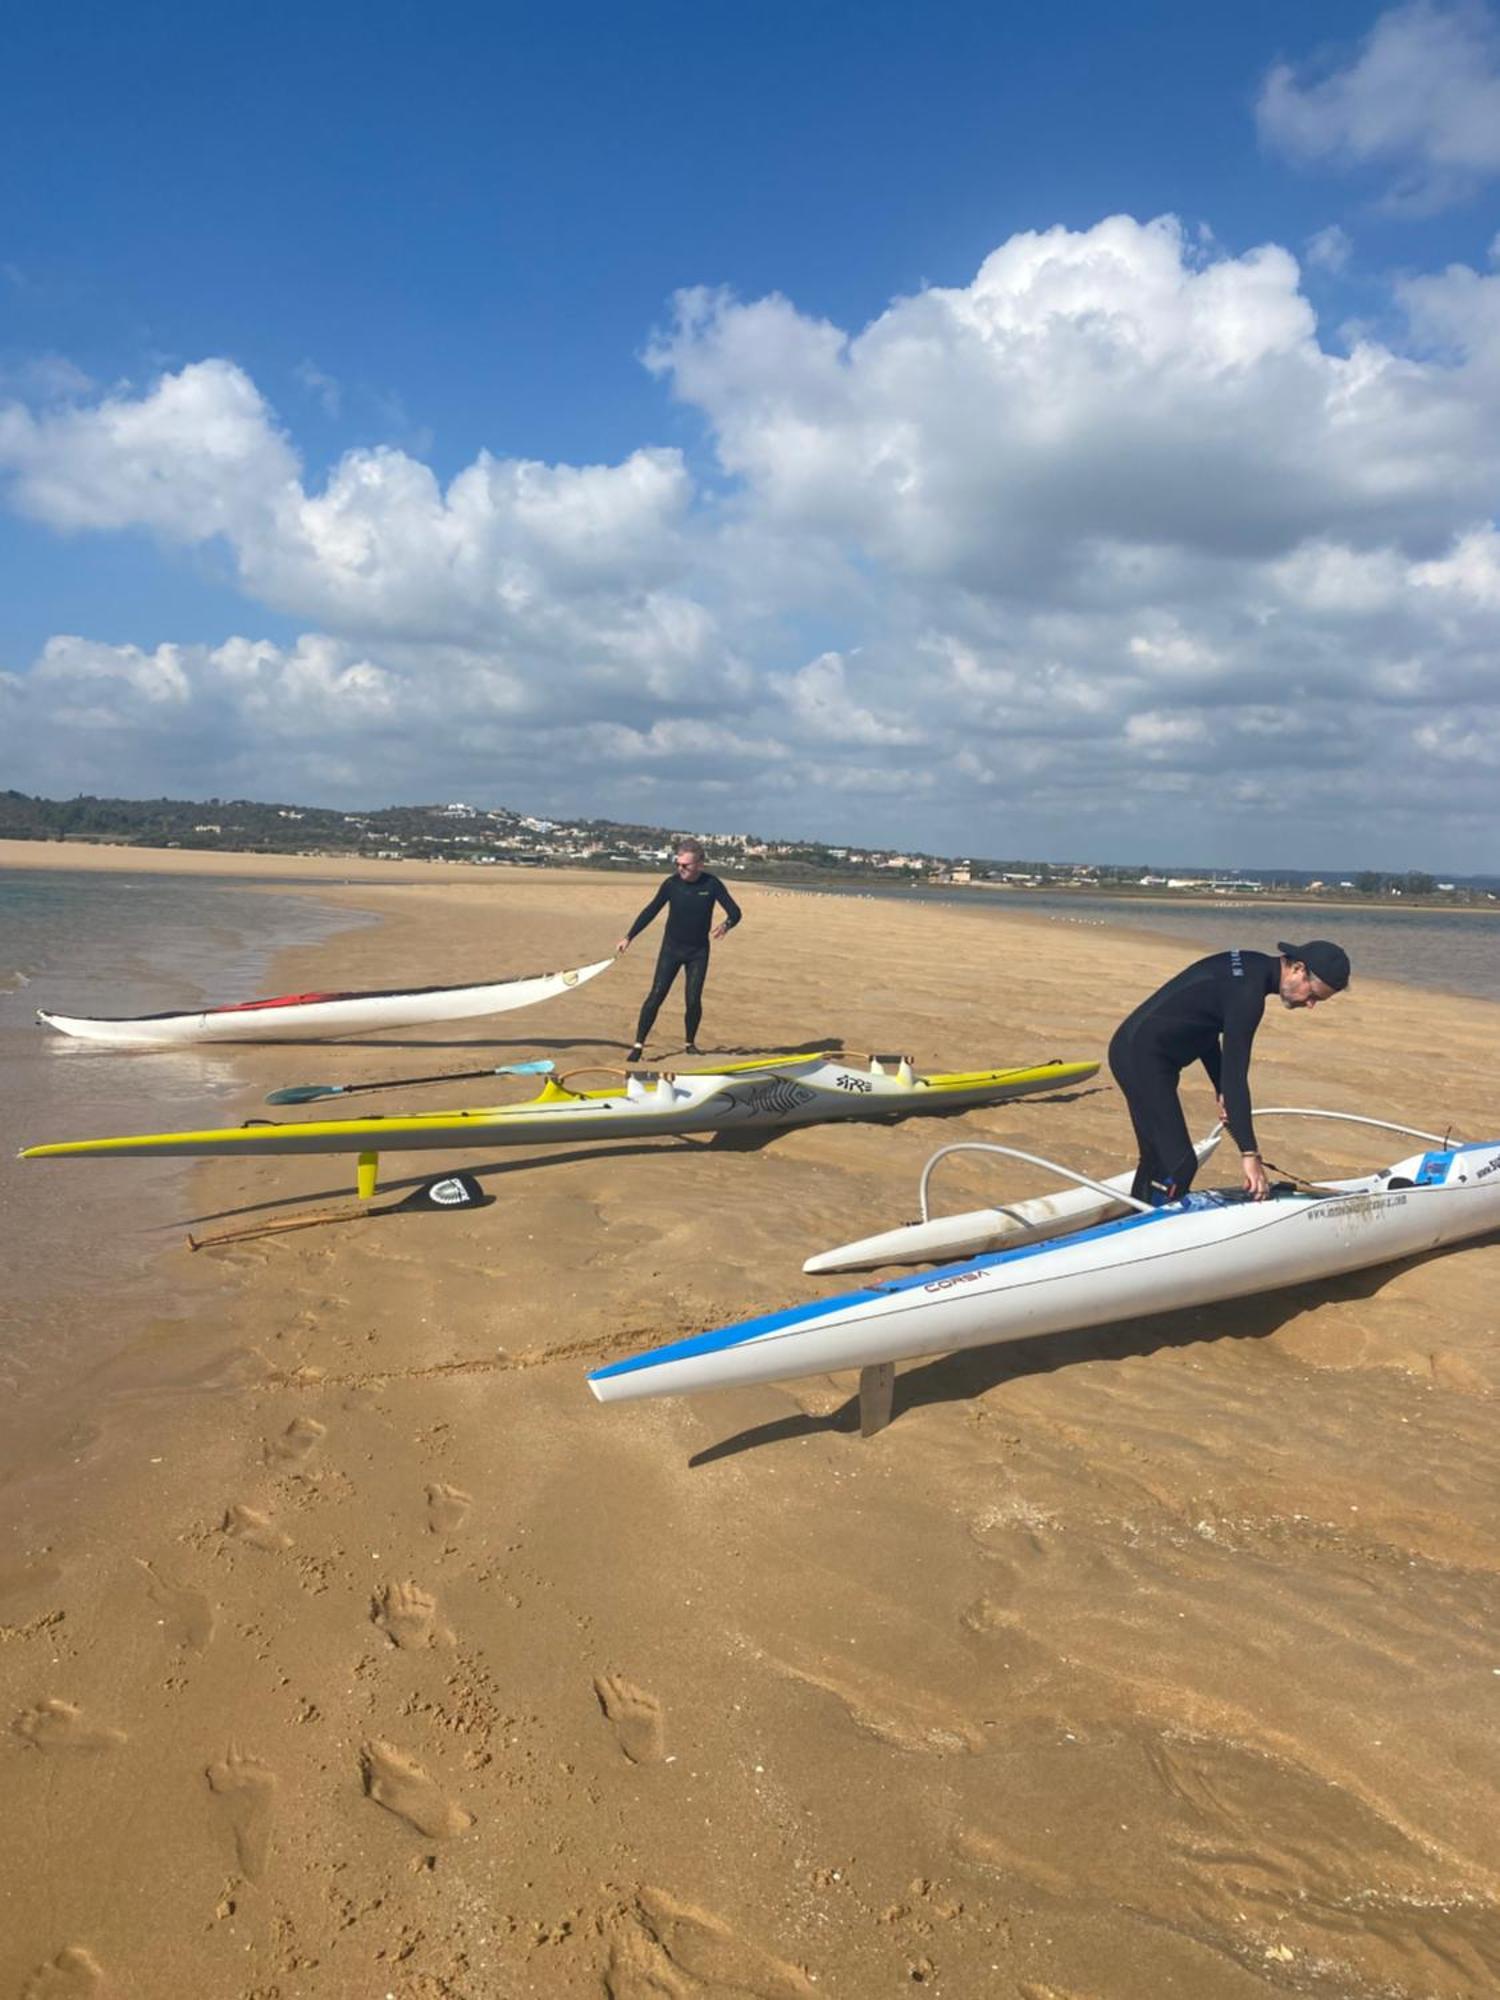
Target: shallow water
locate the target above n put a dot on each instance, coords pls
(1452, 951)
(77, 1240)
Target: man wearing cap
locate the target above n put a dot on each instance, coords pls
(1209, 1013)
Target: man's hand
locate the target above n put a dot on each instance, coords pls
(623, 945)
(1223, 1114)
(719, 930)
(1256, 1184)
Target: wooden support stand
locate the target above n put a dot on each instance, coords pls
(877, 1388)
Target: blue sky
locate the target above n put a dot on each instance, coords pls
(271, 282)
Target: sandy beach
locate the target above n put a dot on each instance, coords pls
(348, 1649)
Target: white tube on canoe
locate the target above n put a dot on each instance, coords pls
(938, 1239)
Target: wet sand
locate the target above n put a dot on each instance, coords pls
(347, 1648)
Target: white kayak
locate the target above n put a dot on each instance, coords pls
(295, 1017)
(936, 1238)
(1198, 1251)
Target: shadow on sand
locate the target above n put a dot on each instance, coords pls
(389, 1185)
(961, 1378)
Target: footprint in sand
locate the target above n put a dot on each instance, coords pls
(670, 1938)
(408, 1616)
(637, 1970)
(296, 1443)
(256, 1530)
(74, 1974)
(58, 1725)
(246, 1788)
(398, 1782)
(636, 1716)
(447, 1509)
(187, 1617)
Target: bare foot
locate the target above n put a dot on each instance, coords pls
(246, 1786)
(398, 1782)
(408, 1616)
(58, 1725)
(635, 1714)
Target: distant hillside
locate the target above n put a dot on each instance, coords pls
(491, 835)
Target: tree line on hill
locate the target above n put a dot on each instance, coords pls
(463, 833)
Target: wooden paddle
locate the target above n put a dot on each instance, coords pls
(446, 1191)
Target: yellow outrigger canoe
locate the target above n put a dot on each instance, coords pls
(769, 1091)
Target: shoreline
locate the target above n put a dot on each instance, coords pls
(316, 871)
(354, 869)
(416, 1672)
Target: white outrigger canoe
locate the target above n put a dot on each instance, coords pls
(769, 1091)
(1198, 1251)
(296, 1017)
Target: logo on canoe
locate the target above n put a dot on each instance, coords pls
(455, 1193)
(1354, 1210)
(958, 1278)
(765, 1097)
(570, 979)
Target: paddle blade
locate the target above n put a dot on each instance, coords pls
(304, 1093)
(449, 1191)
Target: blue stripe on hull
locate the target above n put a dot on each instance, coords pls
(746, 1332)
(1434, 1170)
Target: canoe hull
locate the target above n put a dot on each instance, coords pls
(313, 1017)
(1202, 1251)
(775, 1092)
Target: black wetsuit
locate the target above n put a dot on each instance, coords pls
(1209, 1013)
(684, 946)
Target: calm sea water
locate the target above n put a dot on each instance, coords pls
(1450, 951)
(77, 1237)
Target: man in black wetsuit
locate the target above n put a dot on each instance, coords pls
(1209, 1013)
(688, 896)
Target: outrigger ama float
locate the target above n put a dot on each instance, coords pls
(1200, 1250)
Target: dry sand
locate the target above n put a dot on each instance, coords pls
(347, 1648)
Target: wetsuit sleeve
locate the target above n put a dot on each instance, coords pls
(658, 902)
(727, 903)
(1240, 1023)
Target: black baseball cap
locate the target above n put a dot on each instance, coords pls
(1323, 959)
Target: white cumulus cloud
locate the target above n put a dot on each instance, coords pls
(1108, 550)
(1421, 97)
(199, 455)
